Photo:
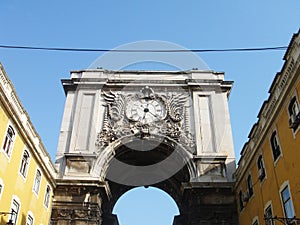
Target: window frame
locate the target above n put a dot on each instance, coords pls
(293, 113)
(275, 149)
(250, 188)
(23, 171)
(261, 167)
(269, 207)
(47, 196)
(286, 186)
(241, 201)
(7, 148)
(1, 187)
(34, 189)
(255, 221)
(29, 217)
(15, 213)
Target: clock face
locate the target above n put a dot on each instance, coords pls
(146, 110)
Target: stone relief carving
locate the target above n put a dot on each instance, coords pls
(64, 213)
(143, 114)
(79, 213)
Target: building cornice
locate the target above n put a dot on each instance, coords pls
(112, 78)
(280, 87)
(21, 119)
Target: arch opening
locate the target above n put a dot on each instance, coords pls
(144, 162)
(150, 162)
(145, 206)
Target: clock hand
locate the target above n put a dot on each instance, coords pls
(144, 115)
(152, 113)
(142, 105)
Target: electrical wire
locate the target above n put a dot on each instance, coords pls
(278, 48)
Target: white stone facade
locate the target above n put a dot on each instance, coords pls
(204, 129)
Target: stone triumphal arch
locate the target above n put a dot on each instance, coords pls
(166, 129)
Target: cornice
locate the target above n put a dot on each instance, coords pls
(21, 119)
(280, 88)
(92, 78)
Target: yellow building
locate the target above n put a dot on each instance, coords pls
(26, 171)
(267, 178)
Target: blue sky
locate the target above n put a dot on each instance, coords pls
(193, 24)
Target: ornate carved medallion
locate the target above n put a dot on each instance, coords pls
(143, 114)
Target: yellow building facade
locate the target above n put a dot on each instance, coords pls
(267, 178)
(26, 171)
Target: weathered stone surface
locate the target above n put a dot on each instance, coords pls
(171, 130)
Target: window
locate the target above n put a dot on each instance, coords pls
(294, 113)
(275, 146)
(241, 200)
(24, 164)
(1, 188)
(29, 220)
(8, 141)
(255, 222)
(14, 210)
(269, 216)
(47, 196)
(261, 168)
(37, 181)
(287, 203)
(249, 185)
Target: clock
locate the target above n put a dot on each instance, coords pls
(146, 110)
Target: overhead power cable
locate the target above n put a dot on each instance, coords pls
(143, 50)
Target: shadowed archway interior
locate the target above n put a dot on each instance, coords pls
(171, 187)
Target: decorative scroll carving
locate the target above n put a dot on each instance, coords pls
(115, 103)
(65, 213)
(175, 105)
(143, 114)
(107, 134)
(81, 213)
(85, 212)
